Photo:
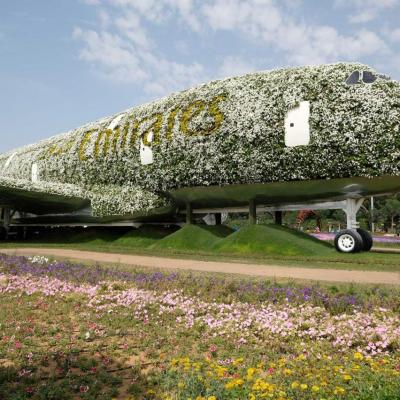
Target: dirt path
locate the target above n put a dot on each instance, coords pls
(319, 274)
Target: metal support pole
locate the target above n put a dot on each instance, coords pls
(5, 223)
(7, 218)
(252, 212)
(372, 215)
(189, 213)
(218, 219)
(278, 217)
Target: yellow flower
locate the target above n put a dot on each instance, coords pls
(221, 371)
(339, 390)
(263, 386)
(181, 385)
(295, 385)
(303, 386)
(252, 397)
(211, 398)
(347, 377)
(233, 383)
(200, 398)
(250, 373)
(315, 388)
(287, 371)
(358, 356)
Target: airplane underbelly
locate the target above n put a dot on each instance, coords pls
(292, 192)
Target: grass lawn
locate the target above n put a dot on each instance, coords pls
(70, 331)
(261, 244)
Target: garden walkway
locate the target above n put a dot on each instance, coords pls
(319, 274)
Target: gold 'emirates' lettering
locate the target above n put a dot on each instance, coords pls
(128, 134)
(115, 138)
(191, 112)
(125, 132)
(86, 139)
(171, 123)
(216, 112)
(194, 109)
(102, 148)
(154, 128)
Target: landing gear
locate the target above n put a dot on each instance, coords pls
(349, 241)
(353, 239)
(366, 238)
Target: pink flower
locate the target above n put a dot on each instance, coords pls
(24, 372)
(18, 344)
(213, 348)
(83, 389)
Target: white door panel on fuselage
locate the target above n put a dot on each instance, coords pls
(297, 125)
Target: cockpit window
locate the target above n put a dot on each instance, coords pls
(354, 78)
(357, 77)
(384, 77)
(368, 77)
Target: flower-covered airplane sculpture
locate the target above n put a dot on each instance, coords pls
(308, 137)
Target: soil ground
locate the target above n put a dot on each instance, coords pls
(278, 271)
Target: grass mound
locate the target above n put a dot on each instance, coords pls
(271, 240)
(119, 237)
(193, 237)
(77, 235)
(144, 236)
(94, 236)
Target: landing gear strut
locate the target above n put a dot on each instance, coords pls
(5, 222)
(353, 239)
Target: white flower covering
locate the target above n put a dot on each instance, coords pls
(224, 132)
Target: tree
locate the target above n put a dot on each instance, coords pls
(391, 211)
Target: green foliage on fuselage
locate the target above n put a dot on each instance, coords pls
(225, 132)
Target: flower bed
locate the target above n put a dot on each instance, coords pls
(72, 331)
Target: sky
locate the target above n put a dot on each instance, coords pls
(67, 62)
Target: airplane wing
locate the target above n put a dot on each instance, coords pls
(44, 198)
(26, 196)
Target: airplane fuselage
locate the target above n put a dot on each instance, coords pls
(278, 137)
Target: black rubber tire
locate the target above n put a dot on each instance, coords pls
(357, 241)
(366, 238)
